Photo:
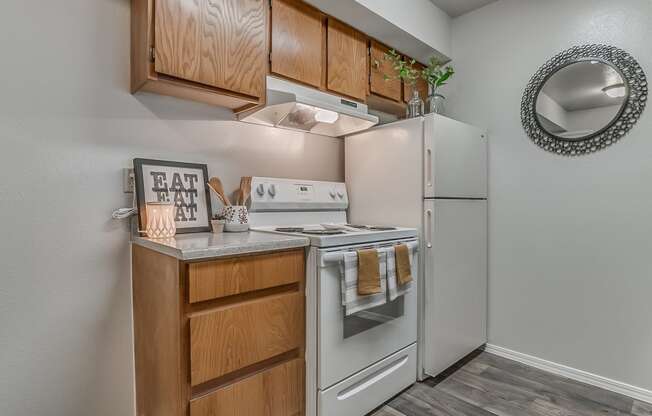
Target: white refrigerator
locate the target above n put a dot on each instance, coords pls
(431, 173)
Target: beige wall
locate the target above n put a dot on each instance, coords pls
(67, 127)
(570, 239)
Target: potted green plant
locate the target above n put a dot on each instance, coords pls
(406, 71)
(436, 75)
(217, 223)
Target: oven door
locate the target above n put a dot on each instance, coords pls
(350, 344)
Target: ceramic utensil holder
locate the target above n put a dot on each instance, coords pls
(237, 218)
(160, 220)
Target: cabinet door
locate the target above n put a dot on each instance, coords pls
(347, 61)
(298, 42)
(422, 86)
(378, 68)
(220, 44)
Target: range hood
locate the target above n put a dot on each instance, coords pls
(295, 107)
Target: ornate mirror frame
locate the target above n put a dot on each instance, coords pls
(635, 83)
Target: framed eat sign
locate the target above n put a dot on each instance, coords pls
(179, 183)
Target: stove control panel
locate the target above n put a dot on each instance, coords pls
(277, 194)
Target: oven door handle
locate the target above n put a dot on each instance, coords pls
(338, 256)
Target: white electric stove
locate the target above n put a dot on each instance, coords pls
(353, 363)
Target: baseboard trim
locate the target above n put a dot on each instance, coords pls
(572, 373)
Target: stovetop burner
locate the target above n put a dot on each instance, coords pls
(371, 227)
(289, 229)
(323, 232)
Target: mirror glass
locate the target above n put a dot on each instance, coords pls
(581, 99)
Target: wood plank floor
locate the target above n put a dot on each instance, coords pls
(487, 385)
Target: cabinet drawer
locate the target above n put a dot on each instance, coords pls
(220, 278)
(237, 336)
(278, 391)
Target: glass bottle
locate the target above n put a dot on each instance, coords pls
(415, 106)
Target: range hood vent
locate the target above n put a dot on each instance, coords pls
(295, 107)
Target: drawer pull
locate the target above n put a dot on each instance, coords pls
(372, 379)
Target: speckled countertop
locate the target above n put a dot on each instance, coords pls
(198, 246)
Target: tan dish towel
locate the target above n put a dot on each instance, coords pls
(403, 271)
(369, 272)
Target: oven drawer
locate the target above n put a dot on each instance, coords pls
(230, 338)
(363, 392)
(278, 391)
(220, 278)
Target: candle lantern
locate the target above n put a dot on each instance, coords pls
(160, 220)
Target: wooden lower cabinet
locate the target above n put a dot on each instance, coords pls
(235, 347)
(238, 275)
(278, 391)
(240, 335)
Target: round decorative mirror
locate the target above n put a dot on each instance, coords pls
(584, 99)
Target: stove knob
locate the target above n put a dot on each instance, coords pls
(272, 190)
(260, 190)
(332, 194)
(340, 194)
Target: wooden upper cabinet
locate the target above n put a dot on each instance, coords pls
(216, 43)
(347, 61)
(422, 86)
(378, 68)
(298, 42)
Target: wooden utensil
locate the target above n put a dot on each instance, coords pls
(217, 194)
(245, 189)
(216, 184)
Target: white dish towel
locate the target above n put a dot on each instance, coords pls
(351, 301)
(393, 288)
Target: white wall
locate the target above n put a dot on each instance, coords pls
(67, 126)
(570, 239)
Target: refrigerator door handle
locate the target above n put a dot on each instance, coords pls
(429, 228)
(429, 168)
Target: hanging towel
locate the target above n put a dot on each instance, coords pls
(368, 272)
(395, 289)
(403, 269)
(351, 300)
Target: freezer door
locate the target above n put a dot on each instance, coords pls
(455, 159)
(455, 253)
(384, 174)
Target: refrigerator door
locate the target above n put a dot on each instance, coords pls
(455, 315)
(455, 159)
